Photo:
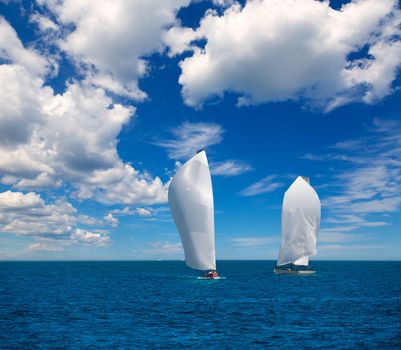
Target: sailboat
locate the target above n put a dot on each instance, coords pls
(300, 226)
(190, 196)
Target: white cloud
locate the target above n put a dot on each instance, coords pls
(43, 180)
(123, 184)
(110, 220)
(178, 40)
(28, 215)
(49, 139)
(379, 71)
(265, 185)
(147, 214)
(123, 211)
(18, 200)
(90, 238)
(88, 220)
(11, 49)
(110, 40)
(8, 180)
(143, 212)
(78, 238)
(230, 167)
(188, 138)
(272, 50)
(53, 226)
(20, 107)
(44, 23)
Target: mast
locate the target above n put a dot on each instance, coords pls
(190, 196)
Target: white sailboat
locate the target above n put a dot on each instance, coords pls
(190, 196)
(300, 226)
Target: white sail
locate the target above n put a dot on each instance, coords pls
(190, 197)
(304, 261)
(300, 223)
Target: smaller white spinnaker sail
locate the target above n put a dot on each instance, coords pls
(300, 223)
(190, 196)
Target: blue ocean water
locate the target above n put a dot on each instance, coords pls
(345, 305)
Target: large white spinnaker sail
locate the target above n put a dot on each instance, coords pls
(300, 223)
(190, 196)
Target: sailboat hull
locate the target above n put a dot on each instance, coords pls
(291, 270)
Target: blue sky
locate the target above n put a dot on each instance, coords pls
(101, 102)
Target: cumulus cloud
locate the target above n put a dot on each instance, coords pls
(270, 50)
(178, 40)
(109, 40)
(265, 185)
(122, 184)
(188, 138)
(78, 237)
(107, 220)
(110, 220)
(88, 220)
(90, 238)
(68, 140)
(18, 200)
(28, 215)
(49, 139)
(11, 49)
(53, 226)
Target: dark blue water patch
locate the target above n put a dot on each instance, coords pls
(345, 305)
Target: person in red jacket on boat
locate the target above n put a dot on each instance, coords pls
(212, 274)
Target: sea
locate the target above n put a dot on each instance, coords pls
(162, 305)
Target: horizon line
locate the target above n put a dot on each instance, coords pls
(175, 260)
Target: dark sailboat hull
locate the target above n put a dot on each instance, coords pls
(293, 270)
